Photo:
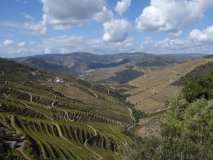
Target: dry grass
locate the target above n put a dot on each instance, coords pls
(102, 74)
(154, 88)
(150, 92)
(150, 127)
(74, 93)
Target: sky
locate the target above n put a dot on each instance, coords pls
(32, 27)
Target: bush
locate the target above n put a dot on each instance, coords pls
(198, 87)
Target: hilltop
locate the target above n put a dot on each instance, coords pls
(103, 68)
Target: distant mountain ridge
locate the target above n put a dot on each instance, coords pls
(79, 63)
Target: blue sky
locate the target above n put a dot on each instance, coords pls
(31, 27)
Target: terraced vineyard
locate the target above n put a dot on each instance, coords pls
(69, 120)
(150, 93)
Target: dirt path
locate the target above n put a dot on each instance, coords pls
(31, 97)
(62, 136)
(13, 124)
(95, 95)
(90, 89)
(53, 104)
(66, 116)
(99, 157)
(130, 113)
(133, 118)
(21, 148)
(59, 130)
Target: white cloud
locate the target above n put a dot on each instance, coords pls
(69, 44)
(10, 24)
(104, 15)
(116, 30)
(22, 44)
(8, 42)
(66, 44)
(35, 28)
(204, 35)
(68, 13)
(170, 15)
(10, 48)
(122, 6)
(177, 33)
(32, 28)
(28, 17)
(176, 46)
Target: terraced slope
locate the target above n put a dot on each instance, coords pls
(150, 93)
(68, 120)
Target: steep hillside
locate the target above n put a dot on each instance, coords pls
(92, 67)
(47, 117)
(205, 69)
(151, 92)
(186, 128)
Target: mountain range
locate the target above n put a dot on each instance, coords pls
(53, 115)
(103, 68)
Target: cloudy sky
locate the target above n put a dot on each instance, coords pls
(30, 27)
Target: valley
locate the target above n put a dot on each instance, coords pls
(106, 80)
(56, 124)
(52, 115)
(104, 69)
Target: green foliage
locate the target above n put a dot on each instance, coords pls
(200, 86)
(186, 134)
(124, 76)
(186, 128)
(138, 114)
(5, 153)
(198, 83)
(43, 123)
(8, 156)
(203, 70)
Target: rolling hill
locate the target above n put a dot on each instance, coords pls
(46, 115)
(51, 116)
(151, 92)
(103, 68)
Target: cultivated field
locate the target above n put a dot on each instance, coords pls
(73, 119)
(151, 91)
(101, 74)
(155, 88)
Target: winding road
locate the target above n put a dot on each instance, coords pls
(62, 136)
(133, 118)
(99, 157)
(21, 148)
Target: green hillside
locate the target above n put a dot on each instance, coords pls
(92, 67)
(186, 128)
(40, 121)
